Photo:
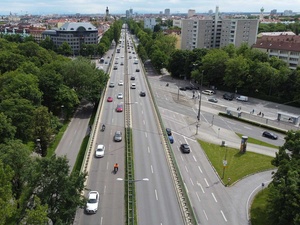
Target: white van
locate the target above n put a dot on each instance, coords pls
(242, 98)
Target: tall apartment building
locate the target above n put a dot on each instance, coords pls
(191, 13)
(167, 12)
(216, 32)
(149, 23)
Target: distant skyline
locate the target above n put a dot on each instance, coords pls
(43, 7)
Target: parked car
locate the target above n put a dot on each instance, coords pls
(171, 139)
(228, 96)
(100, 150)
(118, 136)
(142, 94)
(208, 92)
(109, 99)
(213, 100)
(270, 135)
(242, 98)
(169, 131)
(185, 148)
(119, 108)
(92, 202)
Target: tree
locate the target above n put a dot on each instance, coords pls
(42, 130)
(283, 203)
(20, 111)
(7, 130)
(237, 72)
(6, 195)
(20, 85)
(57, 188)
(65, 49)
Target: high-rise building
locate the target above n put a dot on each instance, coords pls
(149, 23)
(191, 13)
(215, 32)
(167, 12)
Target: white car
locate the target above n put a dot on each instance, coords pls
(111, 84)
(100, 150)
(121, 83)
(120, 96)
(92, 203)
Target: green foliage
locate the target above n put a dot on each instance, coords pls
(283, 202)
(6, 195)
(259, 207)
(7, 130)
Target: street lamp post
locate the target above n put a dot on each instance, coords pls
(199, 109)
(224, 161)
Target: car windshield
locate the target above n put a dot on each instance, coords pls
(92, 200)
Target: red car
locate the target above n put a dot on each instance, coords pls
(119, 108)
(109, 99)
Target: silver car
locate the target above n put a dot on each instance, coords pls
(118, 136)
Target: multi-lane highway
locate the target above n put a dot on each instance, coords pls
(156, 198)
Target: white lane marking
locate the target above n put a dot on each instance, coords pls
(174, 116)
(214, 197)
(198, 197)
(195, 158)
(205, 215)
(182, 158)
(201, 187)
(232, 123)
(144, 122)
(101, 221)
(206, 182)
(248, 128)
(70, 142)
(223, 215)
(104, 189)
(151, 168)
(200, 169)
(146, 134)
(107, 165)
(148, 149)
(192, 181)
(186, 169)
(156, 196)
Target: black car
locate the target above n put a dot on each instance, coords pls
(270, 135)
(142, 94)
(182, 89)
(132, 78)
(169, 131)
(185, 148)
(137, 70)
(228, 96)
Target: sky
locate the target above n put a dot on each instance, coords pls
(45, 7)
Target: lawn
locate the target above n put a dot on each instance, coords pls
(239, 165)
(258, 208)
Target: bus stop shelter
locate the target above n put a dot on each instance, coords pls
(288, 117)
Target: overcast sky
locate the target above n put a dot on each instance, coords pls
(41, 7)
